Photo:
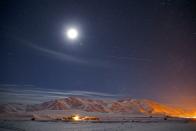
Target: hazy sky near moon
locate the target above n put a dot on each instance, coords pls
(137, 48)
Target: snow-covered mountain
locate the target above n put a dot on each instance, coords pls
(128, 105)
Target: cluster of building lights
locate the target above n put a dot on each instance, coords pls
(80, 118)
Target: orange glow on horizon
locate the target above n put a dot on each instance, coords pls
(188, 117)
(159, 109)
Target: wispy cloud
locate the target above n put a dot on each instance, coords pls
(99, 61)
(53, 53)
(130, 58)
(63, 56)
(22, 94)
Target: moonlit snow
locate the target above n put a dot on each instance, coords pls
(61, 126)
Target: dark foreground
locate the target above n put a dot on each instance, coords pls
(103, 126)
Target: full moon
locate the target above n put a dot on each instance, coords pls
(72, 33)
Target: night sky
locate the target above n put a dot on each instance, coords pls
(139, 48)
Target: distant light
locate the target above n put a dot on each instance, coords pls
(72, 33)
(194, 117)
(76, 118)
(188, 117)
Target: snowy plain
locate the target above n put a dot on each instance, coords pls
(87, 126)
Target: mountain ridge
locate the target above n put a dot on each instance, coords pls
(126, 105)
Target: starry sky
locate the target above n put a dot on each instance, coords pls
(138, 48)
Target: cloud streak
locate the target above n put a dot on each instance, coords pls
(22, 94)
(130, 58)
(53, 53)
(63, 56)
(101, 62)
